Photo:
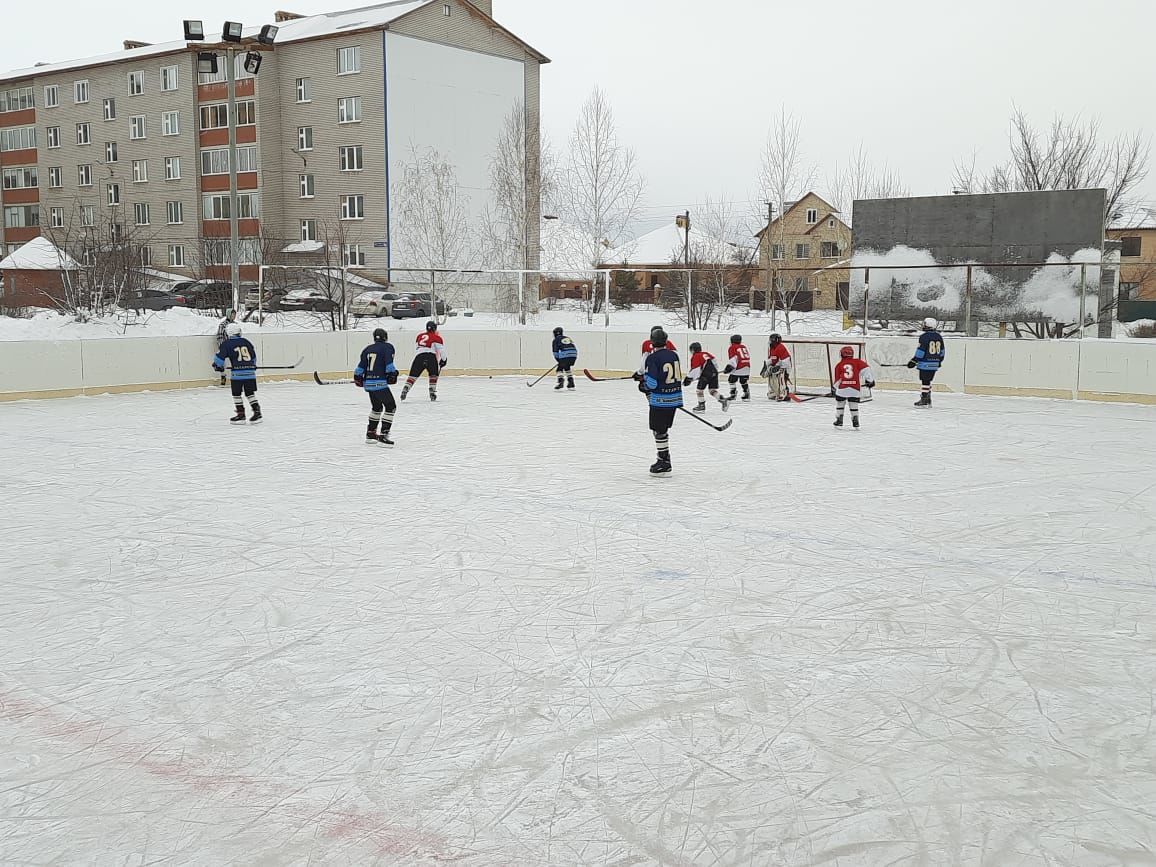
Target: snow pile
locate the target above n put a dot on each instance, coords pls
(1055, 291)
(906, 274)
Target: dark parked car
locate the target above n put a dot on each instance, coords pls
(157, 299)
(416, 304)
(308, 299)
(206, 294)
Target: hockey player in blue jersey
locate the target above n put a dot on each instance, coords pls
(376, 372)
(928, 358)
(662, 384)
(242, 358)
(566, 354)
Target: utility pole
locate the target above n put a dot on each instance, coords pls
(771, 293)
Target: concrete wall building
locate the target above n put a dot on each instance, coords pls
(803, 248)
(1135, 229)
(136, 142)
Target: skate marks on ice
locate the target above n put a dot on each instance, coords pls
(790, 653)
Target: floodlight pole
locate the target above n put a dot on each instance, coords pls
(1083, 298)
(606, 298)
(234, 233)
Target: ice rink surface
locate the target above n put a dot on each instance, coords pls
(502, 643)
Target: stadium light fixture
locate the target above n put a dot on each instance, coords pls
(232, 31)
(252, 62)
(194, 31)
(268, 34)
(207, 62)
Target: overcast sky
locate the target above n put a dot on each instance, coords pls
(922, 83)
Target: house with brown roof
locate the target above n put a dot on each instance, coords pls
(806, 250)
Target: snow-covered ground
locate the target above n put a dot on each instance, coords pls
(49, 325)
(928, 642)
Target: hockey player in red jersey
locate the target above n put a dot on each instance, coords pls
(852, 375)
(429, 356)
(739, 367)
(704, 369)
(778, 369)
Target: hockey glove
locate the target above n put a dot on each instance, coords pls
(911, 363)
(766, 370)
(391, 378)
(218, 369)
(642, 387)
(442, 364)
(687, 381)
(869, 384)
(359, 381)
(637, 377)
(729, 368)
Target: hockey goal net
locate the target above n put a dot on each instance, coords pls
(813, 362)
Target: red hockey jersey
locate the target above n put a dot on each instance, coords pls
(739, 357)
(851, 374)
(430, 341)
(698, 362)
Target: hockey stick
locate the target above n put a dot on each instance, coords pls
(904, 364)
(281, 366)
(594, 378)
(540, 378)
(718, 427)
(320, 381)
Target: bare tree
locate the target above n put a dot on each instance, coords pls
(1071, 154)
(859, 177)
(600, 186)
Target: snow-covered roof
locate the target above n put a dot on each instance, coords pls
(39, 254)
(666, 243)
(293, 30)
(304, 247)
(166, 276)
(1134, 218)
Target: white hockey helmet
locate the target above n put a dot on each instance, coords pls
(233, 329)
(929, 324)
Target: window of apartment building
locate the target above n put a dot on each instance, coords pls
(831, 223)
(305, 90)
(216, 116)
(172, 168)
(353, 255)
(308, 189)
(136, 127)
(21, 216)
(349, 60)
(110, 109)
(55, 177)
(146, 256)
(171, 123)
(175, 213)
(168, 78)
(812, 216)
(17, 99)
(1130, 246)
(87, 256)
(802, 251)
(84, 133)
(140, 213)
(87, 216)
(51, 95)
(80, 91)
(1129, 291)
(20, 178)
(216, 160)
(20, 138)
(800, 285)
(222, 72)
(140, 171)
(349, 109)
(304, 138)
(111, 153)
(351, 158)
(176, 256)
(112, 192)
(447, 10)
(56, 218)
(777, 251)
(136, 83)
(829, 250)
(308, 230)
(219, 252)
(353, 207)
(246, 113)
(53, 137)
(84, 175)
(216, 207)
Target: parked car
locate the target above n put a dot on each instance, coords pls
(205, 294)
(157, 299)
(308, 299)
(373, 304)
(416, 304)
(271, 301)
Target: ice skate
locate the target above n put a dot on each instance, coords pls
(561, 385)
(838, 422)
(433, 395)
(256, 417)
(924, 400)
(660, 467)
(404, 392)
(239, 418)
(384, 440)
(700, 406)
(569, 382)
(855, 423)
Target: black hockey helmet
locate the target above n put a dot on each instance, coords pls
(431, 326)
(379, 335)
(658, 336)
(736, 338)
(776, 339)
(558, 331)
(696, 347)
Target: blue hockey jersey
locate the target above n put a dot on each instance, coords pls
(929, 355)
(663, 378)
(376, 365)
(241, 355)
(564, 349)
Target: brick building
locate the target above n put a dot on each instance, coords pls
(804, 248)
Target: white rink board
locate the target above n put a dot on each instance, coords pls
(503, 643)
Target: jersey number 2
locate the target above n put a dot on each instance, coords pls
(673, 373)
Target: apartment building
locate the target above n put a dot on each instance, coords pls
(134, 145)
(806, 248)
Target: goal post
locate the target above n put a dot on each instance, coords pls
(814, 359)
